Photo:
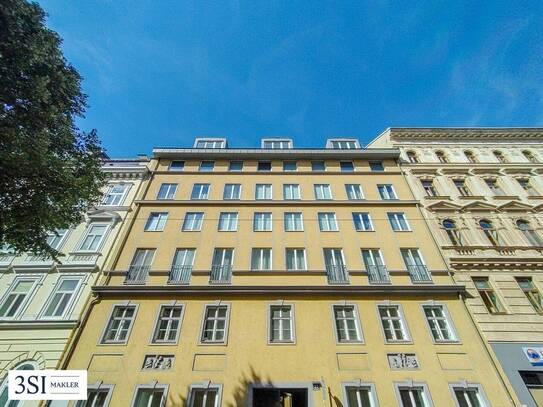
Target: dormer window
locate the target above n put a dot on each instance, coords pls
(343, 144)
(277, 143)
(210, 143)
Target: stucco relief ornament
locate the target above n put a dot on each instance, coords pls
(158, 362)
(403, 361)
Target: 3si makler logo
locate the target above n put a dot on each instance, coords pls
(47, 384)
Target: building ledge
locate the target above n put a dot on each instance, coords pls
(38, 324)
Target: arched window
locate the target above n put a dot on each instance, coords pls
(441, 156)
(489, 231)
(26, 365)
(469, 155)
(452, 232)
(529, 156)
(412, 157)
(529, 233)
(499, 156)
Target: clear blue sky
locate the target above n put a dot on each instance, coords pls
(159, 73)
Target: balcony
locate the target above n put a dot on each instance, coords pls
(137, 275)
(419, 274)
(180, 275)
(337, 274)
(378, 275)
(220, 274)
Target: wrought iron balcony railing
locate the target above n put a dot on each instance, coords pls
(378, 274)
(337, 274)
(137, 275)
(180, 275)
(419, 274)
(220, 274)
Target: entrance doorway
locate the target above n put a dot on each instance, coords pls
(279, 397)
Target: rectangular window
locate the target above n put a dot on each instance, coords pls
(295, 259)
(177, 165)
(120, 324)
(277, 144)
(376, 166)
(16, 297)
(206, 166)
(228, 221)
(386, 191)
(115, 194)
(415, 266)
(167, 191)
(56, 239)
(362, 222)
(204, 397)
(96, 397)
(261, 259)
(193, 221)
(439, 323)
(156, 221)
(183, 257)
(140, 266)
(168, 324)
(281, 324)
(360, 396)
(199, 192)
(235, 166)
(210, 143)
(429, 188)
(263, 191)
(393, 323)
(488, 295)
(469, 396)
(62, 297)
(264, 166)
(215, 323)
(289, 165)
(93, 238)
(181, 270)
(398, 222)
(346, 166)
(293, 222)
(232, 191)
(531, 292)
(372, 258)
(354, 192)
(492, 184)
(262, 222)
(222, 257)
(343, 144)
(322, 192)
(414, 396)
(318, 166)
(347, 325)
(327, 222)
(291, 191)
(460, 185)
(150, 396)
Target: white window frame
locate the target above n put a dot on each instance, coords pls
(372, 163)
(290, 162)
(153, 339)
(62, 240)
(151, 386)
(358, 192)
(292, 340)
(296, 249)
(221, 141)
(265, 187)
(36, 281)
(359, 385)
(483, 401)
(448, 319)
(294, 190)
(108, 321)
(318, 161)
(98, 387)
(264, 221)
(281, 142)
(235, 161)
(224, 341)
(341, 169)
(412, 385)
(126, 187)
(323, 188)
(90, 225)
(402, 319)
(359, 331)
(162, 218)
(205, 386)
(361, 215)
(398, 217)
(372, 255)
(73, 299)
(232, 197)
(197, 222)
(201, 196)
(232, 218)
(390, 192)
(260, 265)
(326, 216)
(285, 214)
(176, 169)
(330, 143)
(202, 169)
(169, 194)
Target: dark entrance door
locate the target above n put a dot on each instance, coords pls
(280, 397)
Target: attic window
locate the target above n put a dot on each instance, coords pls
(343, 144)
(277, 143)
(210, 143)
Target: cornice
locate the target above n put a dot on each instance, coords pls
(455, 135)
(287, 203)
(38, 324)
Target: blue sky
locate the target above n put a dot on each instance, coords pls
(160, 73)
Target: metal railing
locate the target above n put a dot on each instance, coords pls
(378, 274)
(337, 274)
(137, 275)
(419, 274)
(180, 275)
(220, 274)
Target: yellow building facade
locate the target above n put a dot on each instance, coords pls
(277, 276)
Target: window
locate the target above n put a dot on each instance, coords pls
(470, 157)
(360, 395)
(62, 297)
(263, 191)
(96, 396)
(262, 222)
(531, 292)
(322, 191)
(429, 188)
(529, 156)
(499, 156)
(156, 221)
(204, 396)
(206, 166)
(492, 184)
(223, 257)
(488, 230)
(393, 323)
(376, 166)
(527, 186)
(415, 266)
(291, 191)
(347, 324)
(181, 270)
(177, 165)
(386, 191)
(209, 143)
(261, 259)
(529, 233)
(235, 166)
(215, 324)
(140, 266)
(413, 396)
(115, 194)
(469, 396)
(193, 221)
(412, 157)
(354, 192)
(120, 324)
(460, 185)
(93, 238)
(318, 166)
(280, 144)
(200, 191)
(375, 266)
(56, 239)
(343, 144)
(168, 324)
(295, 259)
(231, 191)
(452, 232)
(398, 222)
(264, 166)
(281, 324)
(167, 191)
(228, 221)
(362, 222)
(441, 157)
(439, 323)
(150, 396)
(16, 297)
(346, 166)
(534, 383)
(327, 222)
(293, 222)
(489, 297)
(289, 166)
